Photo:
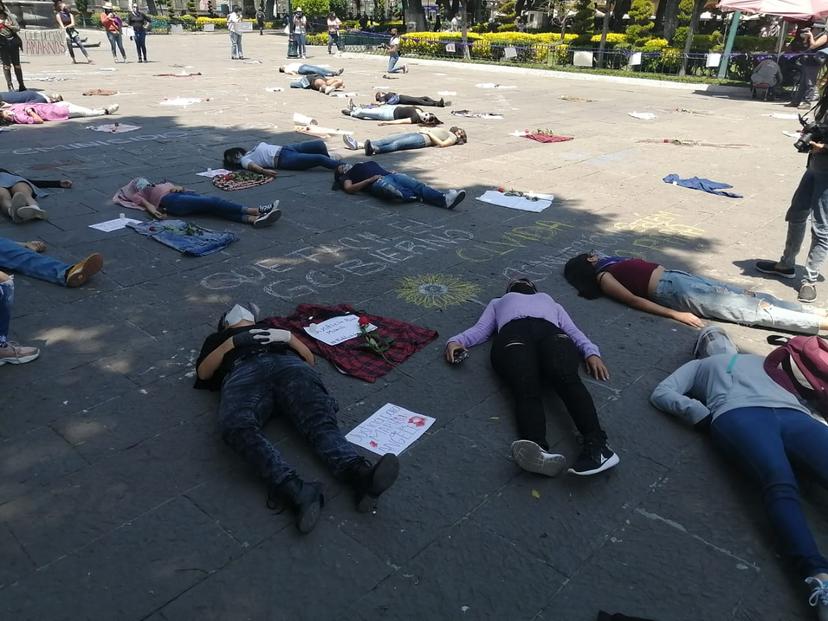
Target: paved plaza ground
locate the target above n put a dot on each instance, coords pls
(118, 498)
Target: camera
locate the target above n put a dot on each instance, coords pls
(811, 132)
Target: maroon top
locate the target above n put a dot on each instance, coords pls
(634, 274)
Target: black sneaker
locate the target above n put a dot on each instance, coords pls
(306, 499)
(371, 480)
(594, 458)
(369, 148)
(769, 267)
(267, 219)
(807, 293)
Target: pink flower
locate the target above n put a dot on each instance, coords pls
(364, 321)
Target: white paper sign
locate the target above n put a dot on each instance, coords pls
(635, 59)
(713, 60)
(391, 429)
(450, 48)
(213, 172)
(208, 27)
(518, 202)
(509, 52)
(337, 329)
(582, 59)
(176, 29)
(113, 225)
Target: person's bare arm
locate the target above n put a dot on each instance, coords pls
(817, 42)
(615, 290)
(59, 22)
(212, 362)
(396, 122)
(34, 116)
(352, 188)
(268, 172)
(435, 141)
(151, 209)
(300, 348)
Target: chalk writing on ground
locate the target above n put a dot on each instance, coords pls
(436, 290)
(94, 144)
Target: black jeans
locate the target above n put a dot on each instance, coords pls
(407, 100)
(529, 354)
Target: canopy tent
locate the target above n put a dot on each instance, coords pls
(796, 9)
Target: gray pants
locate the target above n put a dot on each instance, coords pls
(810, 199)
(236, 45)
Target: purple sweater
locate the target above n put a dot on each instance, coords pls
(501, 311)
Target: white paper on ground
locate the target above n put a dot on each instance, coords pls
(180, 101)
(783, 115)
(301, 119)
(644, 116)
(391, 429)
(274, 89)
(114, 128)
(113, 225)
(315, 130)
(517, 202)
(519, 133)
(446, 93)
(492, 85)
(341, 94)
(337, 329)
(213, 172)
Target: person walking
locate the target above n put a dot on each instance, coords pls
(260, 20)
(333, 32)
(233, 27)
(66, 21)
(138, 21)
(10, 45)
(300, 30)
(114, 30)
(394, 54)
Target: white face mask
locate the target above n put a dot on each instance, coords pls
(237, 314)
(142, 184)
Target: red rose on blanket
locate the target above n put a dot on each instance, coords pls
(364, 321)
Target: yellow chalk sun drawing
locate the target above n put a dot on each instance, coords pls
(436, 290)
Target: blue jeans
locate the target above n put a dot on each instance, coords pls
(765, 441)
(310, 69)
(189, 203)
(333, 39)
(267, 384)
(393, 59)
(400, 142)
(300, 43)
(235, 45)
(374, 113)
(141, 43)
(304, 155)
(116, 39)
(810, 199)
(716, 300)
(17, 258)
(402, 187)
(6, 301)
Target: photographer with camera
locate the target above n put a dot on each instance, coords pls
(536, 344)
(810, 199)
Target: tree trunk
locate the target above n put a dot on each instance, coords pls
(670, 18)
(698, 5)
(621, 7)
(604, 30)
(413, 12)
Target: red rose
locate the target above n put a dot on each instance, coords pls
(364, 321)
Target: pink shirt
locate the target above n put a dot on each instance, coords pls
(46, 111)
(128, 195)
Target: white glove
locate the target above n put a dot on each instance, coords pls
(273, 335)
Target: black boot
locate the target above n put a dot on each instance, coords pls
(306, 499)
(7, 74)
(370, 480)
(18, 72)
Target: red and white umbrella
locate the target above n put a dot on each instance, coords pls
(796, 9)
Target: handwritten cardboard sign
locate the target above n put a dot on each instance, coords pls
(391, 429)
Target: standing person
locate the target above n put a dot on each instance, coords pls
(300, 30)
(363, 22)
(333, 32)
(114, 30)
(233, 21)
(260, 20)
(438, 23)
(536, 344)
(11, 353)
(455, 23)
(10, 45)
(809, 65)
(138, 21)
(809, 200)
(66, 21)
(394, 54)
(764, 430)
(263, 372)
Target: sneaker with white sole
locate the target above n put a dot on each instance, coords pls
(267, 208)
(772, 267)
(350, 142)
(268, 219)
(454, 198)
(531, 457)
(12, 353)
(329, 89)
(22, 211)
(595, 457)
(819, 597)
(807, 293)
(112, 109)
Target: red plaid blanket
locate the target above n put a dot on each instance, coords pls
(547, 138)
(350, 357)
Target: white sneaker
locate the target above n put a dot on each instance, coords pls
(454, 198)
(819, 597)
(350, 142)
(531, 457)
(112, 109)
(329, 89)
(267, 219)
(12, 353)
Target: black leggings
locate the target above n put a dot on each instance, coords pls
(10, 53)
(407, 100)
(530, 353)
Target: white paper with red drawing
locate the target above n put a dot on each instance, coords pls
(391, 429)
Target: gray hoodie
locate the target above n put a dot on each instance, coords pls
(718, 384)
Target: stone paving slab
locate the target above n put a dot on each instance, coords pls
(118, 498)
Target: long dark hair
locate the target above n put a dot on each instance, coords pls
(580, 273)
(232, 157)
(522, 285)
